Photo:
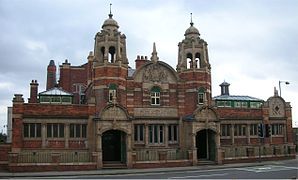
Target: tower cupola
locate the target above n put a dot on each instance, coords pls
(192, 31)
(193, 52)
(110, 24)
(110, 44)
(225, 88)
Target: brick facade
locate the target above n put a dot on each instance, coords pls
(151, 116)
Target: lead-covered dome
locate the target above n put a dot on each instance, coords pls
(110, 23)
(192, 31)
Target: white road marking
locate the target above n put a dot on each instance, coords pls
(198, 176)
(267, 168)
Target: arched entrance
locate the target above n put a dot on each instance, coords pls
(205, 144)
(114, 146)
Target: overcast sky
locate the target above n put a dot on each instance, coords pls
(252, 43)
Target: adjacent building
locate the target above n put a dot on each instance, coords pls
(103, 113)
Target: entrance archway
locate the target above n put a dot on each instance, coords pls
(205, 144)
(114, 146)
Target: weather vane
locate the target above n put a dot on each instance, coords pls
(191, 23)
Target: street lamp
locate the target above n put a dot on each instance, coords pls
(286, 82)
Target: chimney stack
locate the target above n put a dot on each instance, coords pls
(33, 91)
(51, 75)
(140, 61)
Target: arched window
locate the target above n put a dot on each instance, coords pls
(112, 92)
(155, 96)
(102, 50)
(112, 51)
(198, 60)
(189, 60)
(201, 95)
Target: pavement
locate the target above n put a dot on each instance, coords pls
(128, 171)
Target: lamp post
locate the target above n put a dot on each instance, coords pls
(286, 82)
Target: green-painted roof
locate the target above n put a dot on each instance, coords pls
(236, 98)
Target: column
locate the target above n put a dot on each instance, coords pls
(67, 135)
(232, 133)
(248, 133)
(166, 135)
(43, 135)
(129, 153)
(99, 151)
(146, 135)
(194, 150)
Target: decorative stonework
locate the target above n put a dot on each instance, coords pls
(276, 107)
(154, 112)
(205, 114)
(155, 73)
(114, 113)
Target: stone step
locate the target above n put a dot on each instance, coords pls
(113, 165)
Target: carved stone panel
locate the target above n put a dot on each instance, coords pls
(276, 107)
(158, 72)
(205, 114)
(155, 73)
(114, 113)
(155, 112)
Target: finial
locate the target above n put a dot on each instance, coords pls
(154, 56)
(110, 15)
(191, 23)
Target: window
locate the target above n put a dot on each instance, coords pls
(155, 96)
(240, 130)
(32, 130)
(254, 129)
(78, 131)
(237, 104)
(223, 103)
(112, 92)
(156, 134)
(225, 129)
(55, 130)
(201, 94)
(173, 133)
(139, 133)
(240, 104)
(244, 104)
(255, 104)
(277, 129)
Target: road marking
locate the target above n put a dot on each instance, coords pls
(198, 176)
(267, 168)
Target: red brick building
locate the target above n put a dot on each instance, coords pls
(104, 113)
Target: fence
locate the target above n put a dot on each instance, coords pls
(47, 157)
(154, 155)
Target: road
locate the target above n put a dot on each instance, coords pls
(287, 169)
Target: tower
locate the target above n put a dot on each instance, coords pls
(51, 75)
(193, 68)
(193, 52)
(110, 65)
(110, 44)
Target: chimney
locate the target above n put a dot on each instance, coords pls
(33, 91)
(51, 75)
(140, 61)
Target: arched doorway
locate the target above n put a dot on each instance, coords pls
(205, 144)
(114, 146)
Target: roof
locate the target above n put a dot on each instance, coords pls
(236, 98)
(130, 72)
(55, 91)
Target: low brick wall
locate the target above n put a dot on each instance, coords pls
(256, 159)
(4, 149)
(161, 164)
(40, 167)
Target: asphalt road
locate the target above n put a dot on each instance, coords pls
(287, 169)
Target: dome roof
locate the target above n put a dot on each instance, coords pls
(192, 30)
(110, 22)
